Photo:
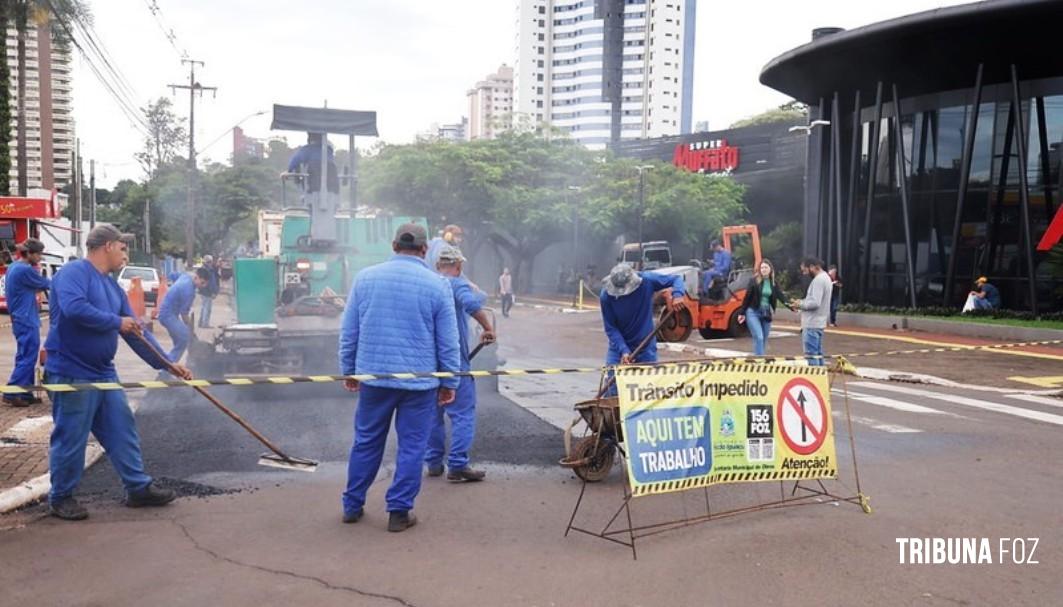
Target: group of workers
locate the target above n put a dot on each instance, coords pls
(88, 311)
(430, 336)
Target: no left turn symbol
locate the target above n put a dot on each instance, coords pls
(802, 416)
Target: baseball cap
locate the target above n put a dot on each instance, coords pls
(31, 245)
(104, 233)
(411, 236)
(450, 254)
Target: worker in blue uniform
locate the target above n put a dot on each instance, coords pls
(88, 311)
(720, 270)
(176, 307)
(22, 283)
(468, 302)
(376, 338)
(627, 312)
(309, 156)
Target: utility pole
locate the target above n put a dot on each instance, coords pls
(147, 225)
(193, 87)
(642, 196)
(79, 216)
(92, 194)
(75, 192)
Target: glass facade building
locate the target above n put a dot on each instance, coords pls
(939, 156)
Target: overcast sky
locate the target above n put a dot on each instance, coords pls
(410, 60)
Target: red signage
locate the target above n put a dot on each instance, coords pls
(706, 156)
(1053, 234)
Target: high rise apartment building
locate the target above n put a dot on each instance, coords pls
(605, 70)
(491, 105)
(49, 117)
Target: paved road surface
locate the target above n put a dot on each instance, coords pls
(937, 463)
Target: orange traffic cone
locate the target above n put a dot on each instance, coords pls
(136, 299)
(159, 294)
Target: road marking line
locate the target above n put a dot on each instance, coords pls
(882, 401)
(1044, 381)
(970, 402)
(1041, 400)
(877, 425)
(928, 342)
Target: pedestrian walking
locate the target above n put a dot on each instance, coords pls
(815, 310)
(835, 293)
(176, 306)
(375, 338)
(505, 291)
(468, 302)
(627, 311)
(209, 291)
(88, 312)
(758, 307)
(22, 283)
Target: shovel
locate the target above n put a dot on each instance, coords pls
(277, 459)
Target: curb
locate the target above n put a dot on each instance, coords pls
(36, 488)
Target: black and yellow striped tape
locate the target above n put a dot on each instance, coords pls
(733, 477)
(840, 364)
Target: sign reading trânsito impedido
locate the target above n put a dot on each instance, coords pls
(694, 425)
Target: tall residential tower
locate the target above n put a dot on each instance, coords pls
(491, 105)
(49, 121)
(605, 70)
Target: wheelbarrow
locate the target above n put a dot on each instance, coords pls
(593, 455)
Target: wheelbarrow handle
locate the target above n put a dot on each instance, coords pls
(645, 341)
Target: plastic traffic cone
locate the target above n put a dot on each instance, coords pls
(136, 299)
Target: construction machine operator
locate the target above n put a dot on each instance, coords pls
(310, 156)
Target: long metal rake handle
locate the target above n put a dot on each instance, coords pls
(232, 414)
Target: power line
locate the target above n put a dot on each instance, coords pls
(168, 32)
(104, 75)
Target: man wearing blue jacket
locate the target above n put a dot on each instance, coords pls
(88, 311)
(462, 412)
(176, 306)
(399, 318)
(21, 285)
(627, 311)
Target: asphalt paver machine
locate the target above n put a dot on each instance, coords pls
(288, 302)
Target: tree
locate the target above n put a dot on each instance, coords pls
(167, 136)
(791, 111)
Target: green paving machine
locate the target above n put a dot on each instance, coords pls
(289, 302)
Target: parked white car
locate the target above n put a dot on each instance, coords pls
(149, 280)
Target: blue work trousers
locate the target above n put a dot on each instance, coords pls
(812, 342)
(462, 414)
(28, 340)
(107, 415)
(414, 411)
(759, 323)
(205, 305)
(180, 335)
(648, 355)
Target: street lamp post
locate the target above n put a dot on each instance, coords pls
(642, 196)
(226, 131)
(575, 227)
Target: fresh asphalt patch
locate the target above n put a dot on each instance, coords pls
(193, 448)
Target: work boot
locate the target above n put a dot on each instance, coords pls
(150, 496)
(435, 470)
(17, 402)
(466, 474)
(68, 509)
(400, 521)
(353, 516)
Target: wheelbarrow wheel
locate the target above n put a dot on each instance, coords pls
(599, 455)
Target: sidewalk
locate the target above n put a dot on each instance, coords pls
(25, 432)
